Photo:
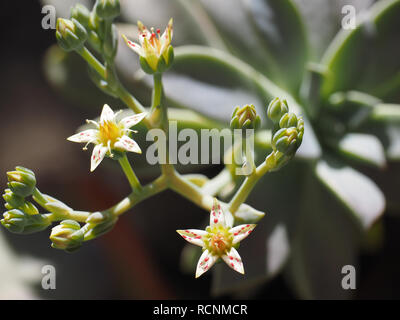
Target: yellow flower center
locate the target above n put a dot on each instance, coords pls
(218, 241)
(109, 131)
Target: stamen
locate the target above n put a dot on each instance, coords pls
(92, 122)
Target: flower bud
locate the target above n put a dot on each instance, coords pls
(98, 229)
(70, 34)
(17, 221)
(14, 200)
(245, 118)
(81, 14)
(108, 9)
(29, 208)
(288, 120)
(276, 109)
(22, 181)
(67, 236)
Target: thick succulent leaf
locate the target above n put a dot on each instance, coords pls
(393, 148)
(279, 26)
(218, 81)
(364, 148)
(386, 113)
(247, 214)
(268, 34)
(323, 19)
(356, 191)
(389, 136)
(366, 58)
(325, 240)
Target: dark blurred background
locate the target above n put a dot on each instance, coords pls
(126, 263)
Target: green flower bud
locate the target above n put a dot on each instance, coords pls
(14, 200)
(98, 229)
(22, 181)
(29, 208)
(67, 236)
(284, 140)
(98, 217)
(17, 221)
(245, 118)
(81, 14)
(70, 34)
(288, 120)
(108, 9)
(276, 109)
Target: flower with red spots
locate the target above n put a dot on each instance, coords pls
(154, 49)
(109, 135)
(218, 241)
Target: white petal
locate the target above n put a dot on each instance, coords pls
(206, 261)
(233, 260)
(106, 114)
(241, 232)
(217, 216)
(193, 236)
(128, 144)
(99, 151)
(134, 46)
(130, 121)
(84, 136)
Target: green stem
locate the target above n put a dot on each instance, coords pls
(93, 62)
(122, 93)
(157, 91)
(247, 186)
(39, 198)
(216, 184)
(130, 174)
(134, 198)
(80, 216)
(190, 191)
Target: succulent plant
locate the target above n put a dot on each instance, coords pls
(344, 83)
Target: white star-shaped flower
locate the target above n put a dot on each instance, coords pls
(152, 45)
(218, 241)
(109, 135)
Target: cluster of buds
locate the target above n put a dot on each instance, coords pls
(287, 134)
(93, 26)
(22, 216)
(245, 118)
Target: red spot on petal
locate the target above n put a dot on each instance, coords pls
(232, 265)
(231, 257)
(215, 220)
(206, 259)
(236, 233)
